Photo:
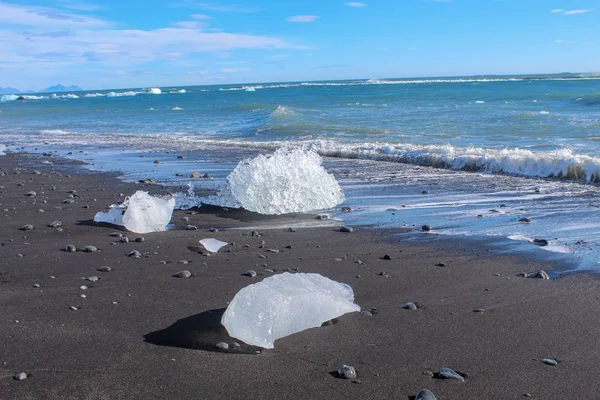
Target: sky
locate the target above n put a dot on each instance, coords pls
(101, 44)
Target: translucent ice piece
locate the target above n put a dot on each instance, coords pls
(212, 245)
(284, 304)
(140, 213)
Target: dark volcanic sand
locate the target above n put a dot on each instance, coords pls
(158, 340)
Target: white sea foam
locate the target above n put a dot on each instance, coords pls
(177, 109)
(154, 91)
(8, 97)
(480, 102)
(2, 149)
(287, 181)
(122, 94)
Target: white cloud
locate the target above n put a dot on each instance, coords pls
(562, 41)
(42, 17)
(79, 6)
(201, 17)
(225, 8)
(234, 70)
(355, 4)
(569, 12)
(302, 18)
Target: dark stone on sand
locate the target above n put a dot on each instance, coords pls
(222, 346)
(447, 373)
(424, 192)
(105, 269)
(180, 157)
(541, 242)
(425, 395)
(425, 228)
(195, 174)
(346, 372)
(134, 254)
(183, 274)
(70, 249)
(27, 227)
(346, 229)
(20, 376)
(322, 217)
(139, 239)
(36, 285)
(31, 194)
(541, 274)
(124, 239)
(115, 234)
(213, 230)
(440, 264)
(346, 209)
(291, 230)
(410, 306)
(89, 249)
(479, 310)
(525, 220)
(386, 257)
(156, 161)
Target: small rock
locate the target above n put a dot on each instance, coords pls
(183, 274)
(70, 249)
(346, 229)
(191, 228)
(20, 376)
(386, 257)
(479, 310)
(195, 174)
(54, 224)
(292, 230)
(410, 306)
(139, 239)
(359, 262)
(27, 227)
(222, 346)
(366, 313)
(549, 361)
(116, 234)
(250, 273)
(36, 285)
(346, 209)
(104, 269)
(213, 230)
(425, 395)
(525, 220)
(347, 372)
(73, 308)
(134, 254)
(89, 249)
(68, 201)
(440, 264)
(31, 194)
(425, 228)
(322, 216)
(124, 239)
(541, 275)
(541, 242)
(276, 251)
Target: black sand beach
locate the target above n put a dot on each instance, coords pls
(141, 333)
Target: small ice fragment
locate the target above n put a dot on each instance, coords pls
(140, 213)
(480, 102)
(154, 91)
(2, 149)
(212, 245)
(284, 304)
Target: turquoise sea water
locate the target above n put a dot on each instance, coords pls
(488, 151)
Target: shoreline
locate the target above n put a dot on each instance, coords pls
(106, 350)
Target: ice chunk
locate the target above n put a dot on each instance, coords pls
(2, 149)
(154, 91)
(140, 213)
(284, 304)
(287, 181)
(212, 245)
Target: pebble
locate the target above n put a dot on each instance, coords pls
(191, 228)
(139, 239)
(195, 174)
(273, 251)
(347, 372)
(83, 296)
(104, 269)
(73, 308)
(71, 249)
(366, 313)
(440, 264)
(31, 194)
(541, 275)
(115, 234)
(426, 228)
(124, 239)
(386, 257)
(525, 220)
(36, 285)
(410, 306)
(447, 373)
(346, 229)
(54, 224)
(382, 273)
(222, 346)
(346, 209)
(425, 395)
(359, 262)
(479, 310)
(89, 249)
(27, 227)
(541, 242)
(20, 376)
(183, 274)
(250, 273)
(550, 361)
(134, 254)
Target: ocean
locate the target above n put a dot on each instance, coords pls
(473, 157)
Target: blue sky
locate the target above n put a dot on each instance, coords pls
(139, 43)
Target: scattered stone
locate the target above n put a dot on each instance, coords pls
(541, 242)
(276, 251)
(386, 257)
(425, 395)
(195, 174)
(426, 228)
(104, 269)
(191, 228)
(54, 224)
(156, 162)
(346, 209)
(124, 239)
(139, 239)
(359, 262)
(250, 273)
(116, 234)
(347, 372)
(180, 157)
(213, 230)
(366, 313)
(525, 220)
(425, 192)
(549, 361)
(292, 230)
(73, 308)
(27, 227)
(31, 194)
(447, 373)
(222, 346)
(382, 273)
(346, 229)
(541, 274)
(183, 274)
(522, 275)
(89, 249)
(36, 285)
(322, 216)
(71, 249)
(410, 306)
(440, 264)
(20, 376)
(134, 254)
(479, 310)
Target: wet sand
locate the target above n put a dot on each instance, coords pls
(142, 333)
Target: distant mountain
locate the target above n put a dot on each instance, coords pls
(61, 88)
(9, 90)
